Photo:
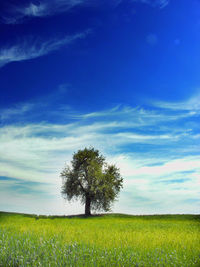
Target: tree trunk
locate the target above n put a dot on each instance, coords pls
(87, 206)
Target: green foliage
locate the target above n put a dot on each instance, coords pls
(91, 179)
(107, 240)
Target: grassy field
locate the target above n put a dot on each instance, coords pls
(108, 240)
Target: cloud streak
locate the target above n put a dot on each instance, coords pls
(192, 104)
(159, 160)
(42, 8)
(154, 3)
(33, 49)
(46, 8)
(26, 147)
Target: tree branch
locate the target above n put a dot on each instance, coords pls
(82, 187)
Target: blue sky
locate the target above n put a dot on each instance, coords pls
(121, 76)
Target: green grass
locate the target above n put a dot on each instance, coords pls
(108, 240)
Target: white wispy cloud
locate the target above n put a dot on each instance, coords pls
(27, 148)
(42, 8)
(141, 116)
(30, 198)
(192, 104)
(18, 110)
(45, 8)
(159, 160)
(168, 186)
(30, 49)
(154, 3)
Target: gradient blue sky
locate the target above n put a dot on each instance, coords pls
(122, 76)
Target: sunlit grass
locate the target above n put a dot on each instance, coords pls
(109, 240)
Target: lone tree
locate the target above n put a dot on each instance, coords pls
(92, 180)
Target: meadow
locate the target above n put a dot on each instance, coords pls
(106, 240)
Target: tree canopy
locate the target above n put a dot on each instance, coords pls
(92, 180)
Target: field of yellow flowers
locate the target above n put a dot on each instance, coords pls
(106, 240)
